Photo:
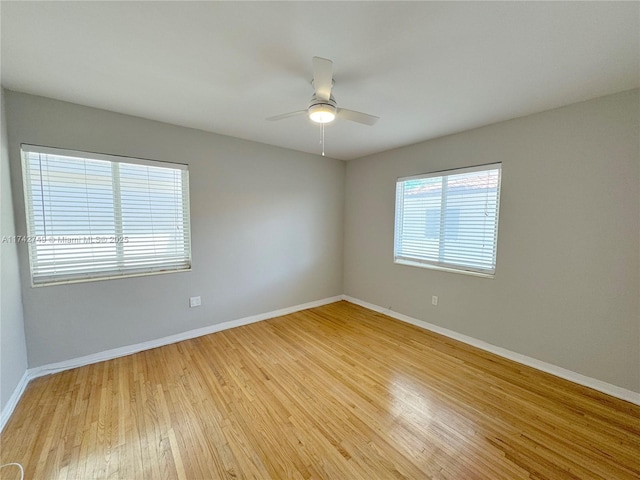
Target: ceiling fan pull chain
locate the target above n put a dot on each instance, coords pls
(323, 139)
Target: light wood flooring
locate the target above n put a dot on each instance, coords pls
(335, 392)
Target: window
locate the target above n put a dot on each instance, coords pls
(449, 220)
(93, 216)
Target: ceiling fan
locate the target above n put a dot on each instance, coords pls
(322, 107)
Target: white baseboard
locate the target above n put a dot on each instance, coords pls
(14, 399)
(50, 368)
(578, 378)
(604, 387)
(198, 332)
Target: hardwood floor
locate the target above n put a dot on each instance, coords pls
(335, 392)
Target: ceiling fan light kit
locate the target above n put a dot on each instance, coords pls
(321, 111)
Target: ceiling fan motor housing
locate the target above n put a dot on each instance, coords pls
(321, 110)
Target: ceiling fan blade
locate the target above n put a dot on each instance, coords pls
(322, 77)
(286, 115)
(357, 116)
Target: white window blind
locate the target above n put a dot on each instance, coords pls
(449, 220)
(93, 216)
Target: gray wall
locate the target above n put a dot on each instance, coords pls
(13, 354)
(267, 232)
(567, 281)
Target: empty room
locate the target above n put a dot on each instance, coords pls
(320, 240)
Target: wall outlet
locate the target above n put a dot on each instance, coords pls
(195, 302)
(434, 300)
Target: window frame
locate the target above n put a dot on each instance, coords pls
(99, 275)
(438, 265)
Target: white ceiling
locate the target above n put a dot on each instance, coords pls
(426, 68)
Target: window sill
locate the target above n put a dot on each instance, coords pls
(106, 277)
(442, 269)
